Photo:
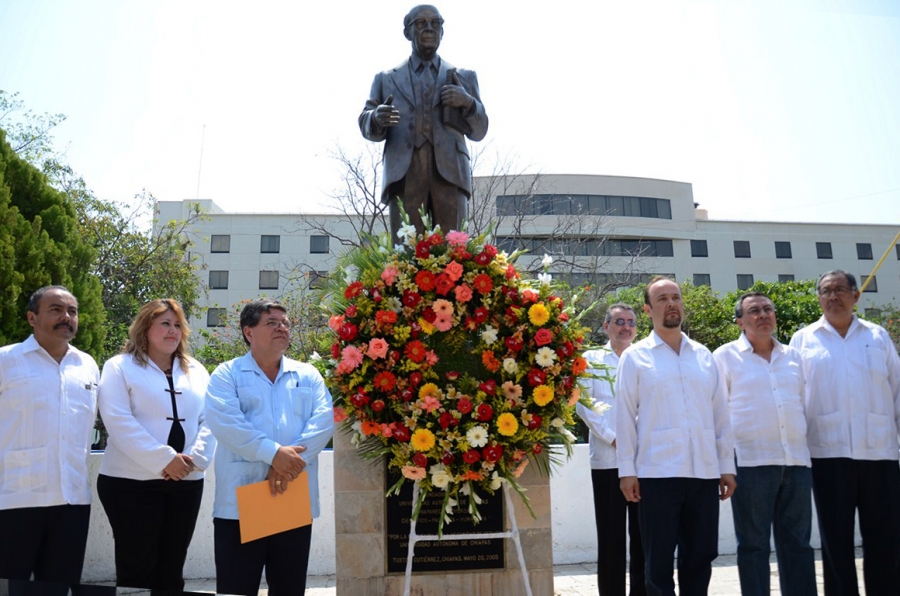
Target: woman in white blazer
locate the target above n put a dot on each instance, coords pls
(151, 478)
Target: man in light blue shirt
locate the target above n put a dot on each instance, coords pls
(271, 416)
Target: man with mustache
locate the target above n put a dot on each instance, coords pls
(48, 399)
(423, 110)
(674, 445)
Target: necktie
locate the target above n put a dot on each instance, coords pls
(176, 433)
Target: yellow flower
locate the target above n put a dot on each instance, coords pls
(543, 395)
(507, 425)
(422, 439)
(429, 389)
(538, 314)
(427, 327)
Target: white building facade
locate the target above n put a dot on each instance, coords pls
(608, 225)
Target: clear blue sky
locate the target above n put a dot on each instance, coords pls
(782, 110)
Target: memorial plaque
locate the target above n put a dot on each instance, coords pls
(449, 554)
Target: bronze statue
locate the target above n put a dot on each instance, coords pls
(424, 109)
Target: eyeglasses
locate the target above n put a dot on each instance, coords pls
(757, 311)
(275, 324)
(623, 322)
(435, 23)
(841, 291)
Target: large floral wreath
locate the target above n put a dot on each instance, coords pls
(450, 364)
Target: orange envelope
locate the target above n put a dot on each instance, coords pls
(262, 515)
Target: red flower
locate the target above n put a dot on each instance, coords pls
(425, 280)
(490, 250)
(443, 284)
(543, 337)
(435, 239)
(535, 422)
(512, 315)
(470, 324)
(446, 420)
(401, 433)
(415, 378)
(537, 448)
(376, 295)
(482, 258)
(484, 413)
(429, 315)
(489, 387)
(511, 272)
(482, 283)
(464, 405)
(336, 351)
(415, 329)
(452, 375)
(563, 317)
(415, 351)
(447, 459)
(493, 453)
(566, 350)
(385, 381)
(347, 331)
(490, 361)
(407, 394)
(411, 299)
(385, 317)
(420, 460)
(353, 290)
(378, 405)
(471, 456)
(423, 250)
(351, 310)
(536, 377)
(514, 342)
(359, 399)
(481, 314)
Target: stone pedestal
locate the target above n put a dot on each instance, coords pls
(360, 538)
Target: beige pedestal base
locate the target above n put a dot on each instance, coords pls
(360, 541)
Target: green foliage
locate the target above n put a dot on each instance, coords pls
(796, 304)
(888, 317)
(41, 244)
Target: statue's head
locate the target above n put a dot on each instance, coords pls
(424, 27)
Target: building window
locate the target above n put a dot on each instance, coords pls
(317, 279)
(744, 281)
(220, 243)
(742, 249)
(897, 247)
(873, 285)
(872, 313)
(218, 280)
(318, 245)
(270, 244)
(783, 277)
(782, 250)
(823, 250)
(701, 279)
(699, 249)
(863, 251)
(215, 317)
(268, 280)
(599, 205)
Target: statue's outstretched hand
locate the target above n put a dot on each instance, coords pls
(386, 114)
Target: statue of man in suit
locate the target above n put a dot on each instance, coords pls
(424, 109)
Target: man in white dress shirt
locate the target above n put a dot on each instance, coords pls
(48, 398)
(610, 506)
(852, 376)
(764, 384)
(674, 445)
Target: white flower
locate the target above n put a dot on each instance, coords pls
(545, 278)
(406, 232)
(466, 490)
(477, 436)
(557, 423)
(489, 335)
(510, 366)
(546, 261)
(357, 426)
(315, 357)
(398, 248)
(392, 303)
(451, 503)
(600, 407)
(545, 357)
(568, 437)
(496, 481)
(440, 478)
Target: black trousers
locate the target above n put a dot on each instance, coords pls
(239, 567)
(683, 513)
(841, 488)
(46, 541)
(611, 511)
(153, 523)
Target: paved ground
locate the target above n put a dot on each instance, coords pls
(574, 580)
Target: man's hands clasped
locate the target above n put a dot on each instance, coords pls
(286, 466)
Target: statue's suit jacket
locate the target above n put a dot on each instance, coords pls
(450, 153)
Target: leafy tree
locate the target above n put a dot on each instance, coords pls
(888, 316)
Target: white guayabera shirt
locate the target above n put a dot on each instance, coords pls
(602, 426)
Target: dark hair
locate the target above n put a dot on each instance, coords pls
(739, 305)
(136, 345)
(851, 281)
(253, 311)
(34, 303)
(653, 281)
(408, 19)
(617, 306)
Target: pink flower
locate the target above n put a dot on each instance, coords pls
(430, 403)
(378, 348)
(389, 275)
(453, 270)
(511, 390)
(443, 307)
(463, 293)
(529, 295)
(413, 472)
(456, 238)
(339, 414)
(351, 357)
(431, 358)
(336, 321)
(443, 323)
(386, 431)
